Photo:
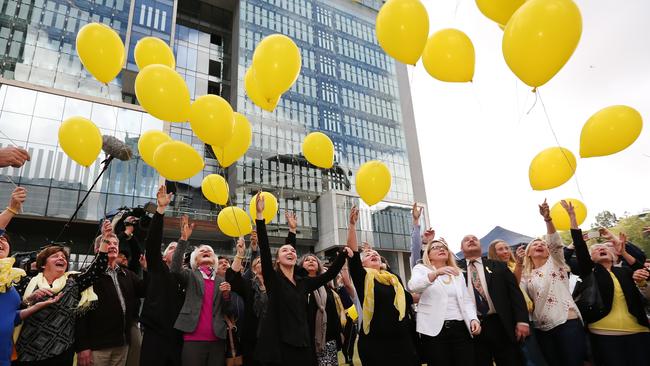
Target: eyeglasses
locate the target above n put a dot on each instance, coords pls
(438, 247)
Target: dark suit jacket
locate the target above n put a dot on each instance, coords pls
(506, 296)
(605, 283)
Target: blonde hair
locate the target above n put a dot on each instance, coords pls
(492, 252)
(528, 260)
(451, 262)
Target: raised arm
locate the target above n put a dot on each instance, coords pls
(545, 211)
(312, 283)
(352, 229)
(239, 257)
(99, 265)
(14, 207)
(553, 239)
(292, 221)
(154, 236)
(263, 241)
(248, 274)
(585, 264)
(416, 240)
(181, 247)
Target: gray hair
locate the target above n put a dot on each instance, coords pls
(195, 252)
(168, 247)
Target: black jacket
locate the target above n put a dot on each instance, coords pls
(165, 296)
(605, 283)
(286, 318)
(130, 246)
(106, 325)
(506, 296)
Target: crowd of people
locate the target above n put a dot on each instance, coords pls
(144, 306)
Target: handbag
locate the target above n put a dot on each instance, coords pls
(233, 358)
(587, 297)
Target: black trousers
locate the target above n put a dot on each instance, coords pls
(622, 350)
(295, 356)
(160, 350)
(64, 359)
(563, 345)
(494, 344)
(397, 350)
(349, 337)
(453, 346)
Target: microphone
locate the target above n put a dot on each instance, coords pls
(115, 148)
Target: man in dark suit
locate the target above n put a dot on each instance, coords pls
(500, 306)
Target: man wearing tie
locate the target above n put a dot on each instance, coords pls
(499, 304)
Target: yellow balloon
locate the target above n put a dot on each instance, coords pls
(610, 130)
(242, 138)
(101, 51)
(373, 182)
(276, 65)
(551, 168)
(153, 51)
(318, 150)
(163, 93)
(234, 222)
(270, 207)
(255, 94)
(81, 140)
(561, 218)
(215, 189)
(402, 28)
(176, 160)
(212, 120)
(499, 10)
(149, 142)
(540, 38)
(449, 56)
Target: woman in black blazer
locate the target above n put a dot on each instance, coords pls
(284, 337)
(620, 334)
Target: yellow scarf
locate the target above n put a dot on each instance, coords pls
(39, 282)
(339, 308)
(9, 276)
(385, 278)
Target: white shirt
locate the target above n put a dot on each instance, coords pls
(453, 307)
(481, 275)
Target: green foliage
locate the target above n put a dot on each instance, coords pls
(633, 226)
(605, 219)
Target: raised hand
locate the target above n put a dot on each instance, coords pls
(348, 252)
(520, 254)
(568, 207)
(18, 196)
(186, 228)
(163, 198)
(292, 220)
(417, 213)
(241, 247)
(107, 229)
(428, 235)
(354, 215)
(259, 205)
(545, 211)
(254, 240)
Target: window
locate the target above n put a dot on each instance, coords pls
(215, 69)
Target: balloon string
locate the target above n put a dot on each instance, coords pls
(557, 141)
(537, 96)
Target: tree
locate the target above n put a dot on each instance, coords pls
(605, 219)
(633, 227)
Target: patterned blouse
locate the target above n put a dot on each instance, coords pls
(548, 287)
(50, 332)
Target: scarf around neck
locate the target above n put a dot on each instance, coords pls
(384, 278)
(320, 296)
(40, 282)
(9, 276)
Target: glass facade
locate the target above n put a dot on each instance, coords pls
(37, 42)
(348, 88)
(56, 183)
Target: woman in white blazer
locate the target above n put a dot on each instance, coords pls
(446, 314)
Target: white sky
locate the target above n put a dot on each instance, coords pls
(476, 140)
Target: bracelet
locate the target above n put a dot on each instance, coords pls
(12, 210)
(548, 220)
(239, 257)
